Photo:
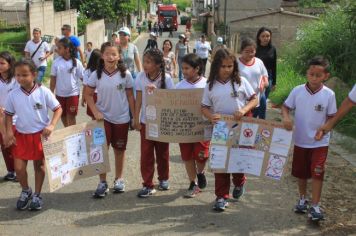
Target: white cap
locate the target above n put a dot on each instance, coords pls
(219, 40)
(182, 36)
(153, 34)
(125, 30)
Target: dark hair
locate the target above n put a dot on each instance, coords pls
(120, 64)
(66, 43)
(11, 60)
(114, 34)
(220, 55)
(194, 61)
(246, 42)
(27, 62)
(259, 32)
(94, 60)
(320, 61)
(170, 43)
(68, 27)
(90, 43)
(157, 56)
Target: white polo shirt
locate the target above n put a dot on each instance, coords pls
(202, 49)
(253, 73)
(142, 82)
(222, 100)
(352, 94)
(41, 52)
(67, 82)
(112, 99)
(185, 84)
(5, 89)
(311, 111)
(31, 108)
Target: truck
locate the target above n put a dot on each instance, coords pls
(168, 15)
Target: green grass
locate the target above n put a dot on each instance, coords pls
(14, 42)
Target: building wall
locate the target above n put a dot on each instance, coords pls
(95, 33)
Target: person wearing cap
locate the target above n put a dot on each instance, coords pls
(152, 41)
(182, 48)
(219, 44)
(38, 50)
(202, 49)
(67, 32)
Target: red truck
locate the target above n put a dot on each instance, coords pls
(168, 15)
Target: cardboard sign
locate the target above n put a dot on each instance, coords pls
(251, 146)
(175, 116)
(76, 152)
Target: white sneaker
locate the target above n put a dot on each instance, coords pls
(119, 186)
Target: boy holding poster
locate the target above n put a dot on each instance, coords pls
(196, 154)
(227, 93)
(313, 104)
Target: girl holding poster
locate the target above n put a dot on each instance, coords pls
(230, 94)
(194, 155)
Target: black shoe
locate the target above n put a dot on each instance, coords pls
(10, 176)
(201, 180)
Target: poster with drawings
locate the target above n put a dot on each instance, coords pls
(75, 152)
(252, 146)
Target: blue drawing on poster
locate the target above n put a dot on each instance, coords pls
(98, 136)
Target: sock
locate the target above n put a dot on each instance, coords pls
(316, 208)
(302, 200)
(36, 194)
(28, 189)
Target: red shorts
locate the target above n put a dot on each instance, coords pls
(116, 135)
(195, 151)
(69, 105)
(89, 112)
(28, 146)
(309, 162)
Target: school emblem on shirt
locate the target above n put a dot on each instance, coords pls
(120, 87)
(319, 107)
(37, 106)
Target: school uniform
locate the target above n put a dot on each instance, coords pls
(67, 88)
(86, 75)
(113, 104)
(311, 111)
(5, 89)
(31, 108)
(352, 95)
(148, 147)
(222, 99)
(198, 151)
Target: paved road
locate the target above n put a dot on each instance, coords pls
(265, 208)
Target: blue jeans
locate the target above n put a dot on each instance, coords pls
(180, 73)
(40, 74)
(260, 112)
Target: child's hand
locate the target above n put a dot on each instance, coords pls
(288, 124)
(150, 88)
(215, 118)
(322, 131)
(137, 126)
(10, 140)
(99, 116)
(83, 102)
(47, 131)
(239, 114)
(175, 74)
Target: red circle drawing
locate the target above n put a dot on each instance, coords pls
(248, 133)
(95, 156)
(266, 133)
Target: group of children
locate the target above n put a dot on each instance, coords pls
(233, 88)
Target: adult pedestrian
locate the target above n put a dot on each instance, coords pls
(182, 48)
(37, 51)
(219, 44)
(67, 32)
(149, 26)
(152, 41)
(155, 28)
(202, 49)
(169, 58)
(161, 27)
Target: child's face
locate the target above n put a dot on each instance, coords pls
(316, 75)
(24, 76)
(265, 38)
(62, 51)
(226, 69)
(248, 53)
(89, 46)
(111, 56)
(190, 73)
(4, 65)
(149, 66)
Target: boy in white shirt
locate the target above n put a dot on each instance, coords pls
(313, 104)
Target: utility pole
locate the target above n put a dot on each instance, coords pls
(225, 26)
(67, 4)
(139, 9)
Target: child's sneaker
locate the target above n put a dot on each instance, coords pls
(192, 191)
(36, 203)
(315, 213)
(220, 204)
(24, 199)
(10, 176)
(101, 190)
(238, 192)
(119, 186)
(302, 206)
(163, 185)
(201, 180)
(146, 192)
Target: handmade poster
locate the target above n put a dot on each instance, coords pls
(174, 116)
(251, 146)
(76, 152)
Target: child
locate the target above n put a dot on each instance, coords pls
(91, 67)
(65, 74)
(88, 51)
(114, 84)
(313, 104)
(7, 84)
(253, 69)
(227, 93)
(196, 154)
(30, 103)
(154, 76)
(54, 48)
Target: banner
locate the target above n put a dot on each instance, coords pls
(76, 152)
